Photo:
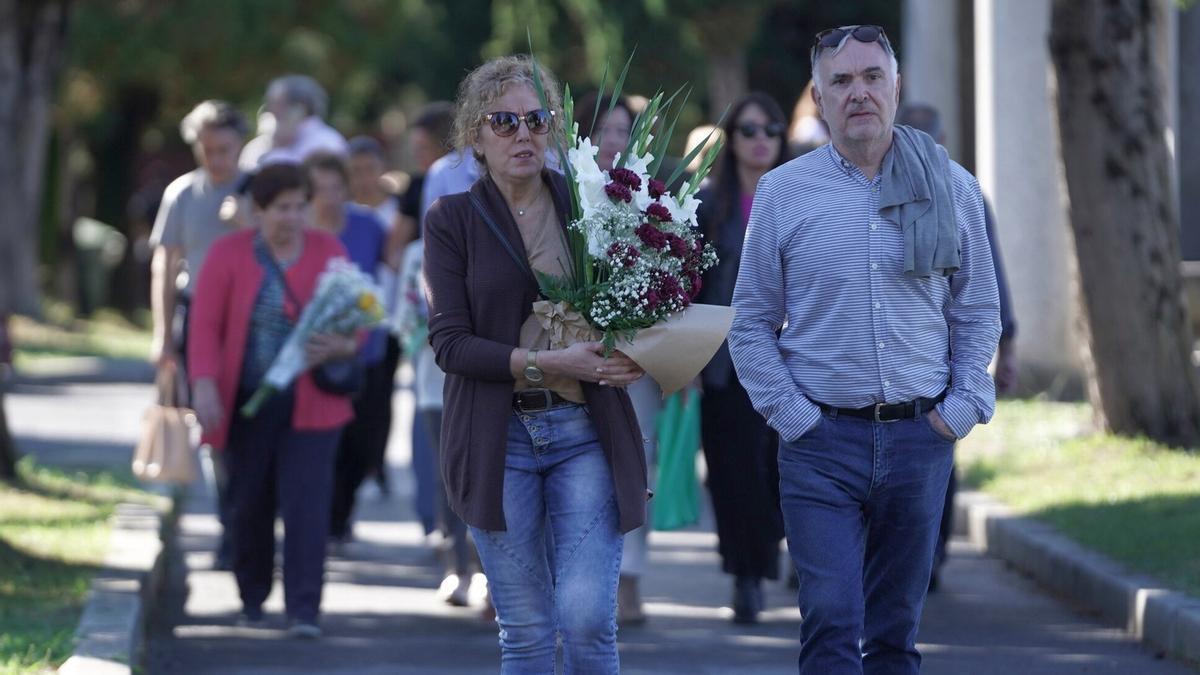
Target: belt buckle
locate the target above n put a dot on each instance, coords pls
(878, 407)
(545, 394)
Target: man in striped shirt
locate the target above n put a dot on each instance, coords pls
(868, 372)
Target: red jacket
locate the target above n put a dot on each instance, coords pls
(220, 320)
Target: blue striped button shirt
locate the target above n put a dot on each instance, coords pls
(822, 267)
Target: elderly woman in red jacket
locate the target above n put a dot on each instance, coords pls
(281, 460)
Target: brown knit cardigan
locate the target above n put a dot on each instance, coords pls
(478, 299)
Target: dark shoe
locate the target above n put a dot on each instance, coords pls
(747, 600)
(629, 602)
(251, 617)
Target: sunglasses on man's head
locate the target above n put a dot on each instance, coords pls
(833, 37)
(506, 123)
(751, 129)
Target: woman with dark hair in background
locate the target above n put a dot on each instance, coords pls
(739, 447)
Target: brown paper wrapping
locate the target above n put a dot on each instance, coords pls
(672, 351)
(675, 350)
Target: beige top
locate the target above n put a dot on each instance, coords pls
(547, 250)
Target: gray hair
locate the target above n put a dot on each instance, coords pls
(212, 114)
(818, 52)
(302, 90)
(488, 83)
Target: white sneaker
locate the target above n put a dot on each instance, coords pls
(453, 591)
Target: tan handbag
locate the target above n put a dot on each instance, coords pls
(165, 453)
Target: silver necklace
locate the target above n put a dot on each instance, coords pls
(522, 212)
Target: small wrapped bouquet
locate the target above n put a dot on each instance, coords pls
(346, 300)
(636, 253)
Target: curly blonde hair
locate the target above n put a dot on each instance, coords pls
(487, 83)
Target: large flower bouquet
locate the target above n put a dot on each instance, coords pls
(345, 301)
(636, 253)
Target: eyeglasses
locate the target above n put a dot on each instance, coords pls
(506, 123)
(751, 129)
(833, 37)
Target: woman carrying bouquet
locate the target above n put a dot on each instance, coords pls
(739, 447)
(532, 438)
(281, 460)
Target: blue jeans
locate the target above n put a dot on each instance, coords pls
(862, 502)
(558, 491)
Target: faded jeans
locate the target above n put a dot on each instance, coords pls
(558, 489)
(862, 502)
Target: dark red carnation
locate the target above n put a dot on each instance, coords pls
(657, 188)
(618, 192)
(627, 178)
(651, 236)
(696, 282)
(626, 254)
(652, 300)
(679, 247)
(659, 212)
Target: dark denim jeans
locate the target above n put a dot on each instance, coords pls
(558, 489)
(862, 502)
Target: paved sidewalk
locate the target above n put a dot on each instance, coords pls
(382, 617)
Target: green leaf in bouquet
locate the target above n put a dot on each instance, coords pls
(661, 144)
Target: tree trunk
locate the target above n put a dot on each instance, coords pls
(32, 42)
(1118, 174)
(8, 449)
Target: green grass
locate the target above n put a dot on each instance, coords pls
(107, 334)
(53, 538)
(1132, 499)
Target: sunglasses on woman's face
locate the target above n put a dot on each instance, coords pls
(750, 129)
(506, 123)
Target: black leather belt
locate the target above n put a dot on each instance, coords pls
(888, 412)
(533, 400)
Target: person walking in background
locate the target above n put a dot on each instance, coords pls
(430, 139)
(611, 134)
(867, 314)
(452, 173)
(251, 291)
(459, 586)
(367, 166)
(739, 448)
(539, 447)
(363, 235)
(926, 118)
(187, 224)
(292, 125)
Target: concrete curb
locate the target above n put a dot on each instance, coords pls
(109, 638)
(1165, 620)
